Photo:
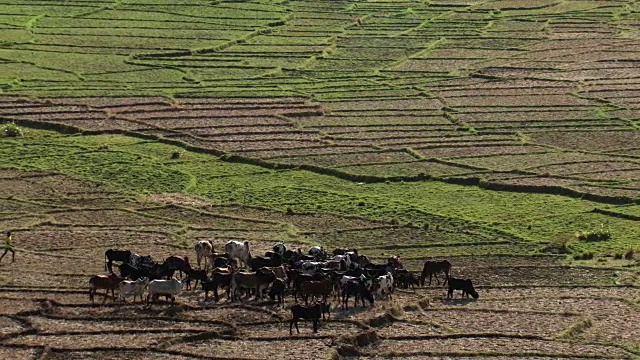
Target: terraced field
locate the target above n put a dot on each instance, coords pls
(486, 132)
(508, 94)
(63, 226)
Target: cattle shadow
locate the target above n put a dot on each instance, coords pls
(458, 302)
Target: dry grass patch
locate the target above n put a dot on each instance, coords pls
(103, 340)
(306, 347)
(480, 345)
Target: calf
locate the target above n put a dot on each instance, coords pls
(135, 288)
(107, 282)
(312, 313)
(465, 285)
(217, 280)
(405, 279)
(169, 288)
(358, 290)
(258, 281)
(197, 275)
(385, 285)
(277, 290)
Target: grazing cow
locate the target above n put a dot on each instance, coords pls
(384, 285)
(312, 313)
(217, 280)
(128, 271)
(169, 288)
(432, 268)
(174, 263)
(360, 292)
(465, 285)
(277, 290)
(322, 288)
(197, 275)
(239, 251)
(112, 255)
(261, 261)
(405, 279)
(135, 288)
(204, 249)
(221, 260)
(258, 281)
(140, 261)
(107, 282)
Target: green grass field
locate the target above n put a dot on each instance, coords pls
(537, 99)
(463, 215)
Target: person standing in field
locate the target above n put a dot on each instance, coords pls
(8, 246)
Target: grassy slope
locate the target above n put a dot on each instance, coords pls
(143, 167)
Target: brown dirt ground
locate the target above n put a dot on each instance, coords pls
(525, 308)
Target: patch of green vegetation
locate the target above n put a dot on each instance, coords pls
(499, 220)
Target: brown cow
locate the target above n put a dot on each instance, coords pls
(107, 282)
(322, 288)
(431, 268)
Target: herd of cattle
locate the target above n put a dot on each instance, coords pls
(313, 276)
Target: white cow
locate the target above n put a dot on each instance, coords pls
(164, 287)
(135, 288)
(204, 249)
(239, 251)
(385, 285)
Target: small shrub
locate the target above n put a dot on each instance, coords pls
(12, 130)
(176, 154)
(583, 256)
(560, 245)
(290, 211)
(617, 256)
(600, 234)
(629, 254)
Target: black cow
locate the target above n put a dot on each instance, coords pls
(111, 255)
(313, 313)
(278, 290)
(360, 292)
(195, 275)
(262, 261)
(216, 281)
(465, 285)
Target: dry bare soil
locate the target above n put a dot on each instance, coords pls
(528, 307)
